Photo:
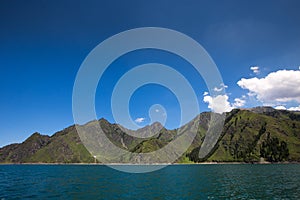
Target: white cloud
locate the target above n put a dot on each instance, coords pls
(139, 120)
(218, 89)
(294, 108)
(218, 104)
(255, 69)
(238, 102)
(280, 108)
(276, 87)
(222, 87)
(290, 109)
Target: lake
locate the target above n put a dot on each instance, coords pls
(230, 181)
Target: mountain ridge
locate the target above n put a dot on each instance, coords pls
(249, 135)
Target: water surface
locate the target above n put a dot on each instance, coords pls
(224, 181)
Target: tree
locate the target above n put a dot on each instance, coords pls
(274, 150)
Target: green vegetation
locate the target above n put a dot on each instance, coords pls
(248, 136)
(274, 150)
(259, 133)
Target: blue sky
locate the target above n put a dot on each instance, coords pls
(43, 43)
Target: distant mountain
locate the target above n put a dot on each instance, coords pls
(249, 135)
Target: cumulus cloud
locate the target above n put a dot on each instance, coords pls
(255, 69)
(139, 120)
(276, 87)
(280, 107)
(239, 102)
(218, 104)
(222, 87)
(294, 108)
(290, 109)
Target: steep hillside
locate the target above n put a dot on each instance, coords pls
(63, 147)
(249, 135)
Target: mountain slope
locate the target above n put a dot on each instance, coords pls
(255, 133)
(250, 135)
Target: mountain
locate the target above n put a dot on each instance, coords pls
(249, 135)
(63, 147)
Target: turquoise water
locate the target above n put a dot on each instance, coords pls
(280, 181)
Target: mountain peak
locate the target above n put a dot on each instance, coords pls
(263, 109)
(36, 136)
(245, 130)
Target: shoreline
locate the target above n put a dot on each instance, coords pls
(153, 164)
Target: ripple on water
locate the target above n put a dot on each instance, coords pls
(173, 182)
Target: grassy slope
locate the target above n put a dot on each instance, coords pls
(242, 138)
(243, 132)
(62, 151)
(65, 147)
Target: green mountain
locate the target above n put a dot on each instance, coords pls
(255, 134)
(249, 135)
